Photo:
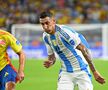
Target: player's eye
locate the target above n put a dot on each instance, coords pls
(47, 23)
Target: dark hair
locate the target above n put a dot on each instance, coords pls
(46, 14)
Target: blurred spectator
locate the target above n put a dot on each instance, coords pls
(2, 19)
(66, 11)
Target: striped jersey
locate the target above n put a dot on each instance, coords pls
(6, 40)
(64, 43)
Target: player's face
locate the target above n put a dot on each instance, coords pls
(48, 24)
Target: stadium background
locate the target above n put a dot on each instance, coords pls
(66, 12)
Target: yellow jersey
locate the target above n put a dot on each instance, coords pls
(7, 40)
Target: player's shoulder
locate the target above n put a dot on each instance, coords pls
(3, 32)
(67, 28)
(45, 35)
(7, 35)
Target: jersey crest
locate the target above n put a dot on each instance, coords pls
(54, 42)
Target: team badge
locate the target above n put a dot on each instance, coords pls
(58, 41)
(54, 42)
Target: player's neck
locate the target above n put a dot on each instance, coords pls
(53, 32)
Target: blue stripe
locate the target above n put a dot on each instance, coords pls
(83, 40)
(46, 39)
(90, 76)
(85, 43)
(62, 32)
(83, 66)
(62, 56)
(81, 63)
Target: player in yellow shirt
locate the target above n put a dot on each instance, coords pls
(8, 74)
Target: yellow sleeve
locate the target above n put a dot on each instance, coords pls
(14, 43)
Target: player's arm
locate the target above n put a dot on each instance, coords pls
(51, 56)
(17, 47)
(21, 55)
(88, 58)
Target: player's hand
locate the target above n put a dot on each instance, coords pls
(98, 77)
(48, 63)
(20, 76)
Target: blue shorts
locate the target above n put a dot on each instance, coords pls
(7, 74)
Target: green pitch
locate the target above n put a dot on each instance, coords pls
(39, 78)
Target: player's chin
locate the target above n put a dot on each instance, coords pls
(49, 31)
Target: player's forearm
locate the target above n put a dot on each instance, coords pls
(21, 61)
(88, 58)
(91, 65)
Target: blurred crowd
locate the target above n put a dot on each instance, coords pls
(65, 11)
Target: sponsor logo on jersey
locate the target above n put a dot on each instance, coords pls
(58, 41)
(54, 42)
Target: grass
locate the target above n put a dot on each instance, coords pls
(39, 78)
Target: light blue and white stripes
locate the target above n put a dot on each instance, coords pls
(64, 43)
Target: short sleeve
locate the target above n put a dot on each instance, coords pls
(14, 43)
(47, 44)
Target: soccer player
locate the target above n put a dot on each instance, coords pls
(8, 74)
(73, 50)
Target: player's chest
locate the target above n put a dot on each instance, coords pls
(55, 40)
(56, 43)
